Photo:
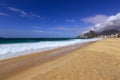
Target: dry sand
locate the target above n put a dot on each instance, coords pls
(97, 61)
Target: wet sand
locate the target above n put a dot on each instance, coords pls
(13, 66)
(96, 61)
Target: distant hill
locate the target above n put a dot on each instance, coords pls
(93, 34)
(90, 34)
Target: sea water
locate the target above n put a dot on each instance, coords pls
(16, 47)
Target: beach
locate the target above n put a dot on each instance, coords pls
(92, 61)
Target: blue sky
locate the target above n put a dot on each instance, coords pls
(52, 18)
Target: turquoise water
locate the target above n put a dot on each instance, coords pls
(29, 40)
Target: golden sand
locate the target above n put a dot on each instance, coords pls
(97, 61)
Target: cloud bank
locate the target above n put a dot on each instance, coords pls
(95, 19)
(112, 22)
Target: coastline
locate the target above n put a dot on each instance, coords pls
(12, 66)
(20, 49)
(96, 61)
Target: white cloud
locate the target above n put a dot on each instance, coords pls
(71, 29)
(62, 28)
(70, 20)
(113, 22)
(37, 31)
(34, 15)
(3, 14)
(21, 12)
(95, 19)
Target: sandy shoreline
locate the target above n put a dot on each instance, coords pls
(97, 61)
(11, 66)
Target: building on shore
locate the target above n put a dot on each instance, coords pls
(104, 34)
(117, 35)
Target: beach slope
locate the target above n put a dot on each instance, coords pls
(97, 61)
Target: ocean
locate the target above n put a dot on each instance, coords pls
(21, 46)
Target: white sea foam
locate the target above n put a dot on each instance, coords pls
(18, 49)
